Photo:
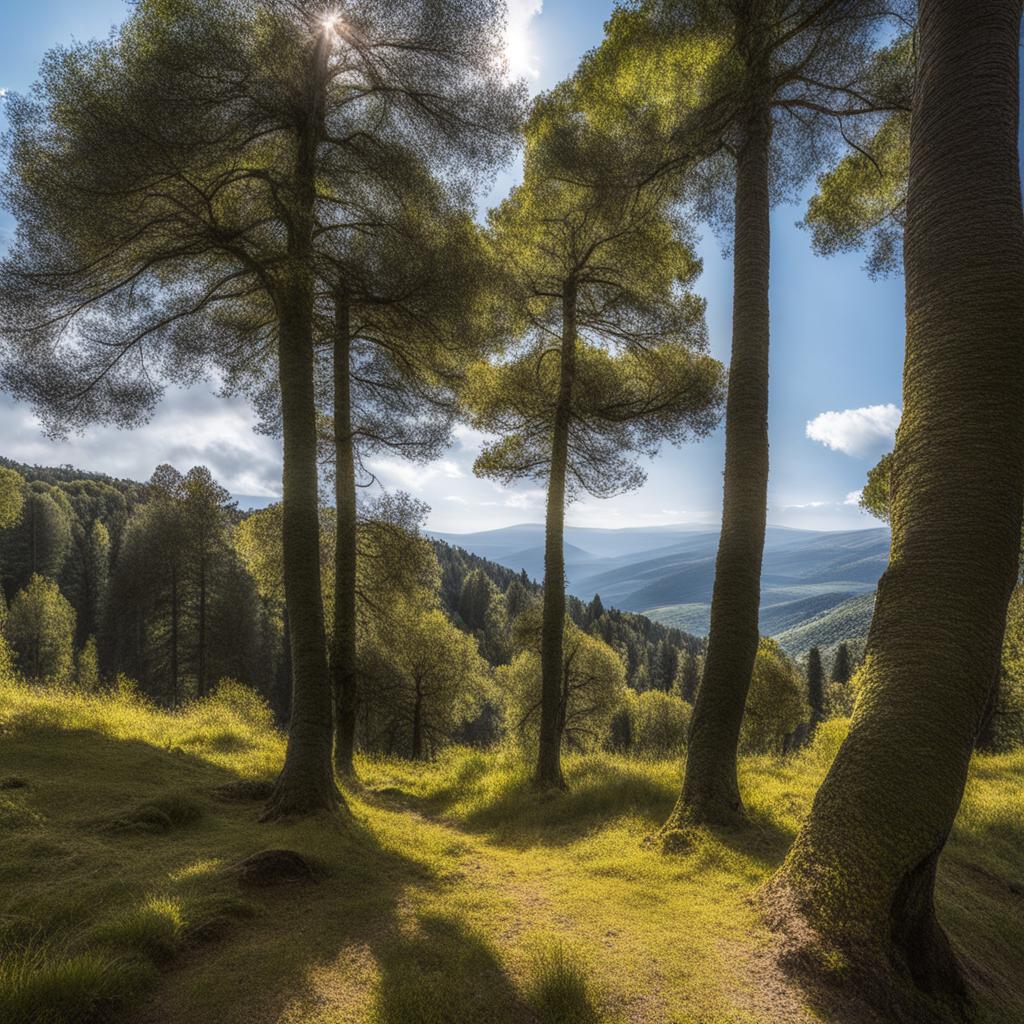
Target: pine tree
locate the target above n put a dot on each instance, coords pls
(841, 669)
(612, 359)
(816, 685)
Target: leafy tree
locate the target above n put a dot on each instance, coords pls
(687, 678)
(750, 98)
(183, 172)
(612, 360)
(88, 667)
(883, 814)
(658, 723)
(875, 496)
(40, 628)
(38, 543)
(775, 702)
(591, 685)
(426, 684)
(816, 685)
(12, 497)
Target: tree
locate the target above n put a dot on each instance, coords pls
(875, 496)
(434, 678)
(687, 679)
(88, 667)
(612, 361)
(38, 543)
(881, 818)
(816, 683)
(12, 497)
(591, 685)
(755, 96)
(40, 628)
(841, 669)
(775, 701)
(658, 723)
(179, 166)
(204, 511)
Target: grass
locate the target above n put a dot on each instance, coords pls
(456, 895)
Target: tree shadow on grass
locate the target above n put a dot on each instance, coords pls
(441, 973)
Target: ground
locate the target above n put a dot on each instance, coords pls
(452, 894)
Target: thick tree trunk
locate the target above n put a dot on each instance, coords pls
(862, 870)
(710, 792)
(284, 702)
(549, 762)
(306, 782)
(343, 660)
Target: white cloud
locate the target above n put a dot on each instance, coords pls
(409, 476)
(853, 498)
(523, 60)
(3, 93)
(859, 432)
(456, 499)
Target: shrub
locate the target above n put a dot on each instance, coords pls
(558, 988)
(658, 723)
(775, 703)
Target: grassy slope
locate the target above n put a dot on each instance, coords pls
(453, 896)
(847, 621)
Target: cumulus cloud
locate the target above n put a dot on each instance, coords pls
(191, 427)
(410, 477)
(859, 432)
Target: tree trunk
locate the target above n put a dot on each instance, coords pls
(306, 782)
(201, 659)
(417, 726)
(710, 792)
(862, 870)
(343, 661)
(284, 686)
(549, 762)
(175, 685)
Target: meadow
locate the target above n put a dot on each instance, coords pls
(129, 889)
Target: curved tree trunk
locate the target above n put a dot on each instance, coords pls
(549, 761)
(710, 789)
(343, 660)
(306, 782)
(862, 870)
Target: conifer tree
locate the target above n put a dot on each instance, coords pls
(841, 670)
(858, 884)
(816, 686)
(749, 98)
(612, 359)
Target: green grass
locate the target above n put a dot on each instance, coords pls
(455, 895)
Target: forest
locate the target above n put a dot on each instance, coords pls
(311, 764)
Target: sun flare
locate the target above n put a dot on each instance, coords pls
(520, 47)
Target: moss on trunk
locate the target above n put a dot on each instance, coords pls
(859, 881)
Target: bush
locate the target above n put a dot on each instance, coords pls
(775, 703)
(558, 988)
(243, 702)
(658, 723)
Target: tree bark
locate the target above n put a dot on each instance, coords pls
(549, 762)
(862, 870)
(710, 794)
(306, 782)
(343, 661)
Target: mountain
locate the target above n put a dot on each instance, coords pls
(815, 584)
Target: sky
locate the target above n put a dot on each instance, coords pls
(836, 352)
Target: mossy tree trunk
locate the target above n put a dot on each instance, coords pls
(710, 792)
(343, 660)
(862, 870)
(549, 760)
(306, 782)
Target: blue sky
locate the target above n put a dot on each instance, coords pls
(837, 352)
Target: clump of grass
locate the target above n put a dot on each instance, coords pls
(163, 814)
(41, 985)
(153, 930)
(558, 987)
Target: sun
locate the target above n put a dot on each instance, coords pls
(520, 50)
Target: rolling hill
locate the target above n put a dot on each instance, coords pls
(817, 587)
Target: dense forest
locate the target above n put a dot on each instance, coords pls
(518, 805)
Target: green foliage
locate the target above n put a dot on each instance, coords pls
(875, 496)
(775, 703)
(87, 675)
(842, 667)
(592, 686)
(39, 542)
(1008, 715)
(40, 628)
(658, 723)
(12, 497)
(815, 685)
